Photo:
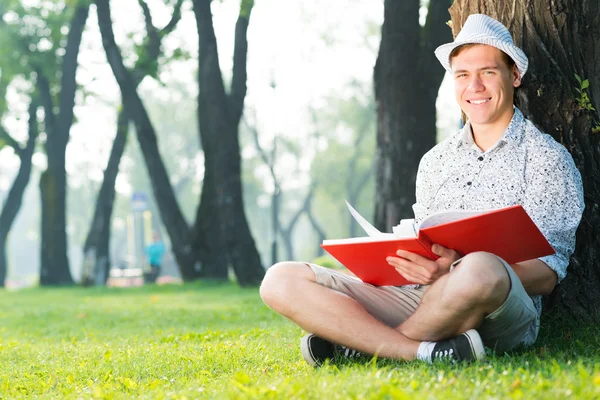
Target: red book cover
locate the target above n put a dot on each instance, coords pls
(508, 232)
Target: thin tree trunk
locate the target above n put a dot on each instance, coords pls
(96, 248)
(287, 233)
(54, 259)
(405, 102)
(222, 233)
(13, 202)
(96, 265)
(170, 212)
(561, 39)
(320, 232)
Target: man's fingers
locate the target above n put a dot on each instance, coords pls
(425, 263)
(444, 252)
(410, 277)
(410, 270)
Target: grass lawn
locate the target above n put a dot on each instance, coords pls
(219, 341)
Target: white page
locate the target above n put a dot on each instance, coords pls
(381, 237)
(405, 229)
(449, 216)
(369, 229)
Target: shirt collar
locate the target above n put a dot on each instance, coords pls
(512, 133)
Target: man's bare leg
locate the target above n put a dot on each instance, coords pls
(290, 288)
(460, 300)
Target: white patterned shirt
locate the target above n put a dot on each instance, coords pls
(524, 167)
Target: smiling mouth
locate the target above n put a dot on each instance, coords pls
(478, 102)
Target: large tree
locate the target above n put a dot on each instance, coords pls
(407, 80)
(44, 41)
(57, 122)
(170, 212)
(96, 247)
(222, 234)
(561, 94)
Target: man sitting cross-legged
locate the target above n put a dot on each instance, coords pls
(497, 159)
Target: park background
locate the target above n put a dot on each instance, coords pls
(240, 125)
(309, 109)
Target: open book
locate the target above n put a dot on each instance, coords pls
(507, 232)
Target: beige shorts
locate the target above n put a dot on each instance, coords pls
(515, 322)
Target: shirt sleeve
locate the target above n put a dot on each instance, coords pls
(554, 201)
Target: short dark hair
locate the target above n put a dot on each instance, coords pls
(510, 63)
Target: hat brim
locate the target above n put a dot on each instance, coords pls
(443, 52)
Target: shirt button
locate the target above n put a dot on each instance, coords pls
(469, 183)
(480, 158)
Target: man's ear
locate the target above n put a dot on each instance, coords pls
(516, 76)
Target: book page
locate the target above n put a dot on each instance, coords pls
(369, 229)
(405, 229)
(449, 216)
(381, 237)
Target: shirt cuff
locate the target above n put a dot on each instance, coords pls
(557, 264)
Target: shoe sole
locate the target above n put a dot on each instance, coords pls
(306, 352)
(476, 344)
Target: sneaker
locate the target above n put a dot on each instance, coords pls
(465, 347)
(316, 350)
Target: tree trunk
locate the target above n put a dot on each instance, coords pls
(11, 206)
(407, 79)
(54, 259)
(320, 233)
(96, 264)
(561, 39)
(96, 250)
(170, 212)
(221, 232)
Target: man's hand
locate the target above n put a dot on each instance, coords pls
(421, 270)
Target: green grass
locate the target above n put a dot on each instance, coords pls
(220, 341)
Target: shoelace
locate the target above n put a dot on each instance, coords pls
(444, 354)
(348, 352)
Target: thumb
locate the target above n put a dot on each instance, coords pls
(439, 250)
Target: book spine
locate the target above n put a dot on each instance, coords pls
(426, 243)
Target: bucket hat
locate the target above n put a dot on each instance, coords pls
(481, 29)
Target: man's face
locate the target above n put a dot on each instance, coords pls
(484, 85)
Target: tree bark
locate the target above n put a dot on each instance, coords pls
(407, 78)
(54, 259)
(170, 212)
(561, 39)
(96, 251)
(11, 206)
(222, 233)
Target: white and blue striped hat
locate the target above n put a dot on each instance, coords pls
(481, 29)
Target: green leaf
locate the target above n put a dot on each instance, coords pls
(578, 78)
(585, 84)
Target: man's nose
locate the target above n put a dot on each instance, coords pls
(476, 84)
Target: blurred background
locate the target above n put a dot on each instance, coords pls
(283, 91)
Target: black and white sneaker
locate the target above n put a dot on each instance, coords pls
(465, 347)
(316, 350)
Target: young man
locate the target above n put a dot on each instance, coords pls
(497, 159)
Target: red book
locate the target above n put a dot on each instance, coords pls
(507, 232)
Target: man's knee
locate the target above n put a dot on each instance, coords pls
(280, 281)
(481, 276)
